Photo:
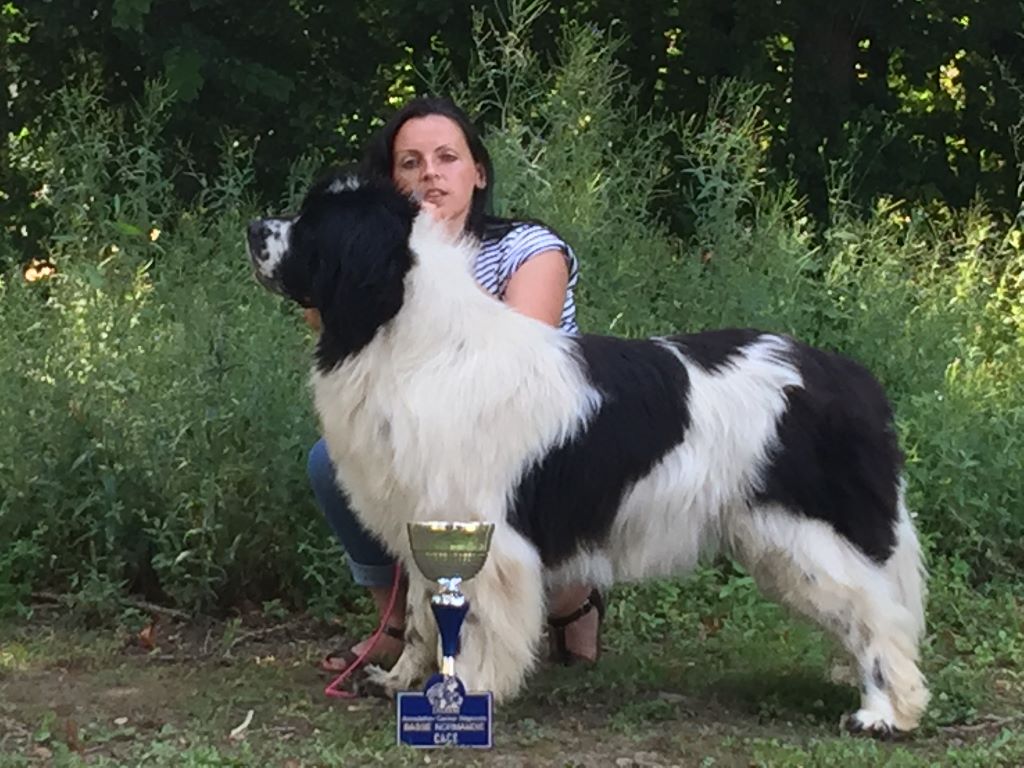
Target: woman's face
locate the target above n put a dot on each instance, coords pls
(431, 159)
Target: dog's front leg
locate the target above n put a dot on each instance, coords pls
(417, 661)
(505, 621)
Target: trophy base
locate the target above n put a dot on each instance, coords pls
(444, 715)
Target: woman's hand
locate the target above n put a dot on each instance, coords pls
(432, 208)
(453, 227)
(312, 318)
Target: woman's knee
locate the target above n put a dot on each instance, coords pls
(319, 467)
(368, 557)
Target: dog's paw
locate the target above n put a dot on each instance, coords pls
(378, 683)
(869, 723)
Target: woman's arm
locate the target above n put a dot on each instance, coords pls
(537, 289)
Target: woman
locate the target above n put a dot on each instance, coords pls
(431, 150)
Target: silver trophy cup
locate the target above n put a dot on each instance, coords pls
(445, 714)
(449, 553)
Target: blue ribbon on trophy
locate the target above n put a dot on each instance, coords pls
(444, 714)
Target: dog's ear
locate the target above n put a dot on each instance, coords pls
(362, 246)
(342, 178)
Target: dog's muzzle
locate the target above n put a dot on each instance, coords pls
(257, 242)
(266, 241)
(257, 235)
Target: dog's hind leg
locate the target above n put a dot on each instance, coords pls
(906, 570)
(893, 655)
(874, 610)
(505, 621)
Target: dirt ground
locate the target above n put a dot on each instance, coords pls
(182, 694)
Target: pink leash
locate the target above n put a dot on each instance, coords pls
(334, 690)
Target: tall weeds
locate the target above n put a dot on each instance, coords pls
(154, 418)
(154, 413)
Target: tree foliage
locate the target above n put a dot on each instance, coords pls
(921, 92)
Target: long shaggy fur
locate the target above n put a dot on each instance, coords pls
(596, 458)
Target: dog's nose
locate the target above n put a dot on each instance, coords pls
(257, 228)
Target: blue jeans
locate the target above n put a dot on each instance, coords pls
(370, 563)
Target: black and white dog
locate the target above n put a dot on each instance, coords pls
(598, 459)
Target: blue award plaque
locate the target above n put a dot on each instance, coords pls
(444, 714)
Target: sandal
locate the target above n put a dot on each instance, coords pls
(561, 653)
(336, 662)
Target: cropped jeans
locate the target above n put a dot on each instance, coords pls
(370, 563)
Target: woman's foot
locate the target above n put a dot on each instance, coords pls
(576, 636)
(384, 653)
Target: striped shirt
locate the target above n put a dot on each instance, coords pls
(499, 258)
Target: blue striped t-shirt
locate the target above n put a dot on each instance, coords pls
(499, 258)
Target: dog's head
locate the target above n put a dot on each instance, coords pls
(345, 253)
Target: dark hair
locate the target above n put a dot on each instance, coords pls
(378, 158)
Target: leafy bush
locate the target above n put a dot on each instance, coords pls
(153, 416)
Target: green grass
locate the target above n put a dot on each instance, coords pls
(701, 672)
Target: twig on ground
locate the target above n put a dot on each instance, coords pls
(985, 723)
(239, 730)
(260, 633)
(131, 602)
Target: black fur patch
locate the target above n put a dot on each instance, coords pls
(571, 497)
(349, 254)
(413, 637)
(838, 459)
(713, 350)
(877, 676)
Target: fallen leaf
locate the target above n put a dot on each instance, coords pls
(120, 721)
(147, 636)
(71, 735)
